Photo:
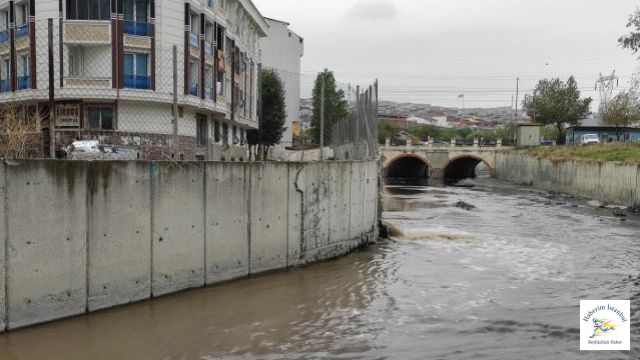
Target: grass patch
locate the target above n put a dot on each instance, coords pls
(628, 153)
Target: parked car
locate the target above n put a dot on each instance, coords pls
(590, 139)
(93, 150)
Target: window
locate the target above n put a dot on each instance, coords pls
(208, 79)
(76, 57)
(99, 117)
(136, 71)
(136, 10)
(225, 134)
(88, 9)
(216, 131)
(251, 87)
(194, 74)
(234, 135)
(201, 130)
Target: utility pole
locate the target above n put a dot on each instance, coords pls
(322, 117)
(517, 96)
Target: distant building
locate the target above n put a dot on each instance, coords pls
(606, 134)
(282, 50)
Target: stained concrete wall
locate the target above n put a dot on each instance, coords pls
(610, 182)
(84, 236)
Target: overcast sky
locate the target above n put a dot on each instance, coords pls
(430, 51)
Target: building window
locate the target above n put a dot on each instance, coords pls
(88, 9)
(194, 74)
(225, 134)
(23, 73)
(216, 131)
(76, 60)
(234, 135)
(136, 71)
(201, 130)
(99, 117)
(136, 17)
(208, 79)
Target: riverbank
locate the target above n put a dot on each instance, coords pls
(627, 153)
(614, 182)
(78, 236)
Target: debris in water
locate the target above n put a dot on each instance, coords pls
(463, 205)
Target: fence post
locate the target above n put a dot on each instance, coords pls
(175, 103)
(322, 117)
(52, 112)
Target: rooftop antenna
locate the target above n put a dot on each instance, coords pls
(605, 85)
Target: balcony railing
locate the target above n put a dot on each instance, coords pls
(137, 82)
(194, 40)
(22, 31)
(193, 89)
(137, 28)
(24, 82)
(5, 86)
(4, 37)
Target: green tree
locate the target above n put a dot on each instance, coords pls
(631, 41)
(556, 102)
(273, 113)
(336, 108)
(386, 130)
(622, 110)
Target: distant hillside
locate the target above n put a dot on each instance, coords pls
(485, 117)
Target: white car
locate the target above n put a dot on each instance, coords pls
(590, 139)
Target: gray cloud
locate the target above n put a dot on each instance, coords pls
(373, 10)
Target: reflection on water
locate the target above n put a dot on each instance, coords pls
(502, 281)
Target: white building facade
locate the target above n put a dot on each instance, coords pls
(282, 50)
(114, 71)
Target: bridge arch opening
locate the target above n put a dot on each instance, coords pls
(408, 166)
(464, 167)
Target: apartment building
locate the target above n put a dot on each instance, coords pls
(114, 66)
(282, 50)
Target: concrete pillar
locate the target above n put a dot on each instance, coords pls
(499, 143)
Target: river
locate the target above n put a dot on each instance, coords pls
(501, 281)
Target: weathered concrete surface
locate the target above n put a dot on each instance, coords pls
(3, 242)
(119, 234)
(178, 215)
(269, 191)
(46, 257)
(610, 182)
(84, 236)
(227, 243)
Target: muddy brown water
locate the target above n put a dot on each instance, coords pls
(502, 281)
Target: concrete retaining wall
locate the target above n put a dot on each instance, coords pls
(84, 236)
(610, 182)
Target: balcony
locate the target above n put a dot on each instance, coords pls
(208, 48)
(193, 89)
(24, 82)
(5, 86)
(4, 37)
(137, 82)
(137, 28)
(22, 31)
(194, 40)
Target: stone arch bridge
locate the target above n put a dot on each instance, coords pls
(437, 162)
